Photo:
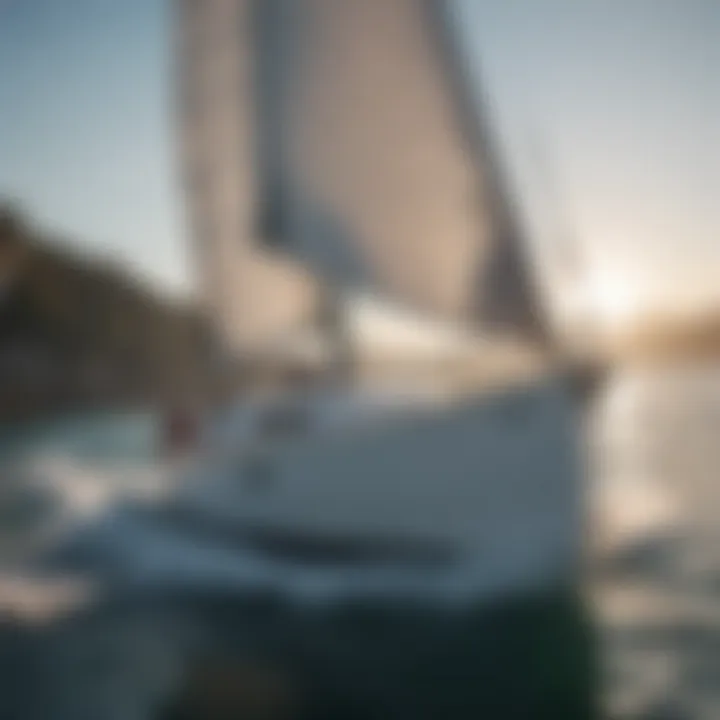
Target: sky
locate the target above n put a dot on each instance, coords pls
(608, 114)
(86, 133)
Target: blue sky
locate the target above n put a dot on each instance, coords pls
(85, 125)
(613, 106)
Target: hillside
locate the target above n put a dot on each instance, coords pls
(664, 338)
(81, 331)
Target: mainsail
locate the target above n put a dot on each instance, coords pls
(341, 140)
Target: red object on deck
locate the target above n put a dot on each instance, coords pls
(181, 432)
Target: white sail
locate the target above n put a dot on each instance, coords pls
(247, 294)
(346, 133)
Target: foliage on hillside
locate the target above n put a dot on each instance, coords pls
(76, 330)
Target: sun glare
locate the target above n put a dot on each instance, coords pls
(614, 298)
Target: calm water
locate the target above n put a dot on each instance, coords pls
(658, 586)
(110, 438)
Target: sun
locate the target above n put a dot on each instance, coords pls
(614, 297)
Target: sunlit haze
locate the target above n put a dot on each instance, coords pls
(607, 113)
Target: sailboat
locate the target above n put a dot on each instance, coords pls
(343, 180)
(412, 459)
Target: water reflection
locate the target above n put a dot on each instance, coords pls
(656, 495)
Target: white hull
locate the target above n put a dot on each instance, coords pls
(484, 494)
